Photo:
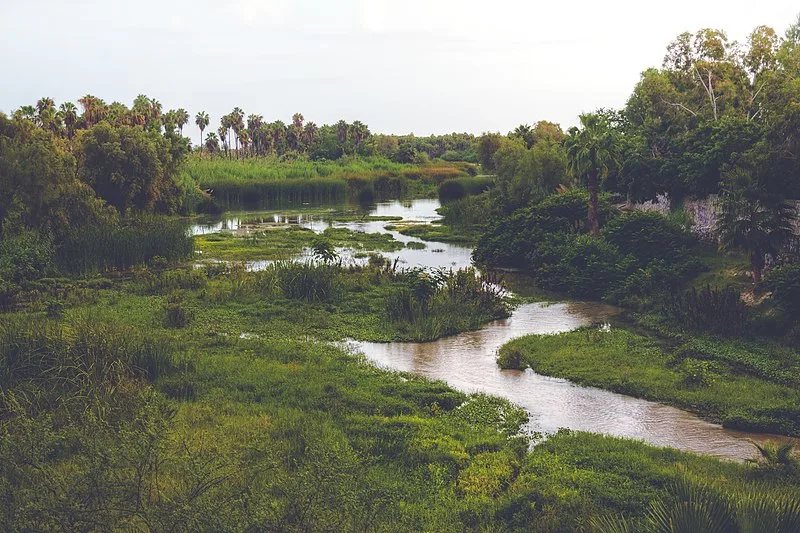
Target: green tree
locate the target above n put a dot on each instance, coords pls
(70, 117)
(202, 120)
(488, 144)
(752, 221)
(131, 168)
(590, 152)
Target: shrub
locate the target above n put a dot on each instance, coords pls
(697, 373)
(648, 235)
(784, 282)
(719, 311)
(312, 282)
(176, 315)
(451, 190)
(512, 239)
(581, 265)
(26, 256)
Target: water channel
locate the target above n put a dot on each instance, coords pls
(467, 361)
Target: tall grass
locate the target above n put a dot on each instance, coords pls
(84, 363)
(102, 248)
(270, 182)
(456, 189)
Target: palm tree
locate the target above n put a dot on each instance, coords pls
(181, 119)
(212, 143)
(359, 132)
(341, 134)
(309, 135)
(590, 151)
(28, 112)
(753, 221)
(254, 123)
(524, 132)
(223, 133)
(201, 119)
(45, 103)
(70, 115)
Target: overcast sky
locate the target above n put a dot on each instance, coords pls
(422, 66)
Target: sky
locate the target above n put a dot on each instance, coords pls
(400, 66)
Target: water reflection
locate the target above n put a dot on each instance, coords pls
(433, 255)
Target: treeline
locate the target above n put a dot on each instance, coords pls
(716, 107)
(240, 137)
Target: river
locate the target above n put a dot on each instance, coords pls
(467, 361)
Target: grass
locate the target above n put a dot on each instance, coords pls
(269, 182)
(712, 383)
(437, 233)
(123, 246)
(287, 242)
(237, 413)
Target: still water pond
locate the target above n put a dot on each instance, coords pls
(467, 361)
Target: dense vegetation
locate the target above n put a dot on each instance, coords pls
(152, 380)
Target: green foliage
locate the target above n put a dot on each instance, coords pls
(24, 257)
(784, 282)
(709, 382)
(719, 311)
(457, 189)
(131, 168)
(649, 236)
(269, 182)
(511, 240)
(311, 282)
(135, 242)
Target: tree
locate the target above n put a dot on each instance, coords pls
(181, 119)
(32, 171)
(212, 142)
(590, 152)
(524, 132)
(488, 144)
(753, 221)
(131, 168)
(70, 116)
(201, 119)
(342, 131)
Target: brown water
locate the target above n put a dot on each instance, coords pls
(467, 361)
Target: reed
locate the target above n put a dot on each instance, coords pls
(137, 242)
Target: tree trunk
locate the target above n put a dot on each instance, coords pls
(594, 223)
(757, 263)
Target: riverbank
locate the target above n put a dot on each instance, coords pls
(236, 409)
(687, 376)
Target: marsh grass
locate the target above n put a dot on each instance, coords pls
(119, 247)
(269, 182)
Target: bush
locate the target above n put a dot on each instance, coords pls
(513, 238)
(648, 236)
(312, 282)
(25, 257)
(719, 311)
(176, 315)
(451, 190)
(784, 282)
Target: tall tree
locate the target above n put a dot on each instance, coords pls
(590, 152)
(202, 120)
(181, 119)
(70, 116)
